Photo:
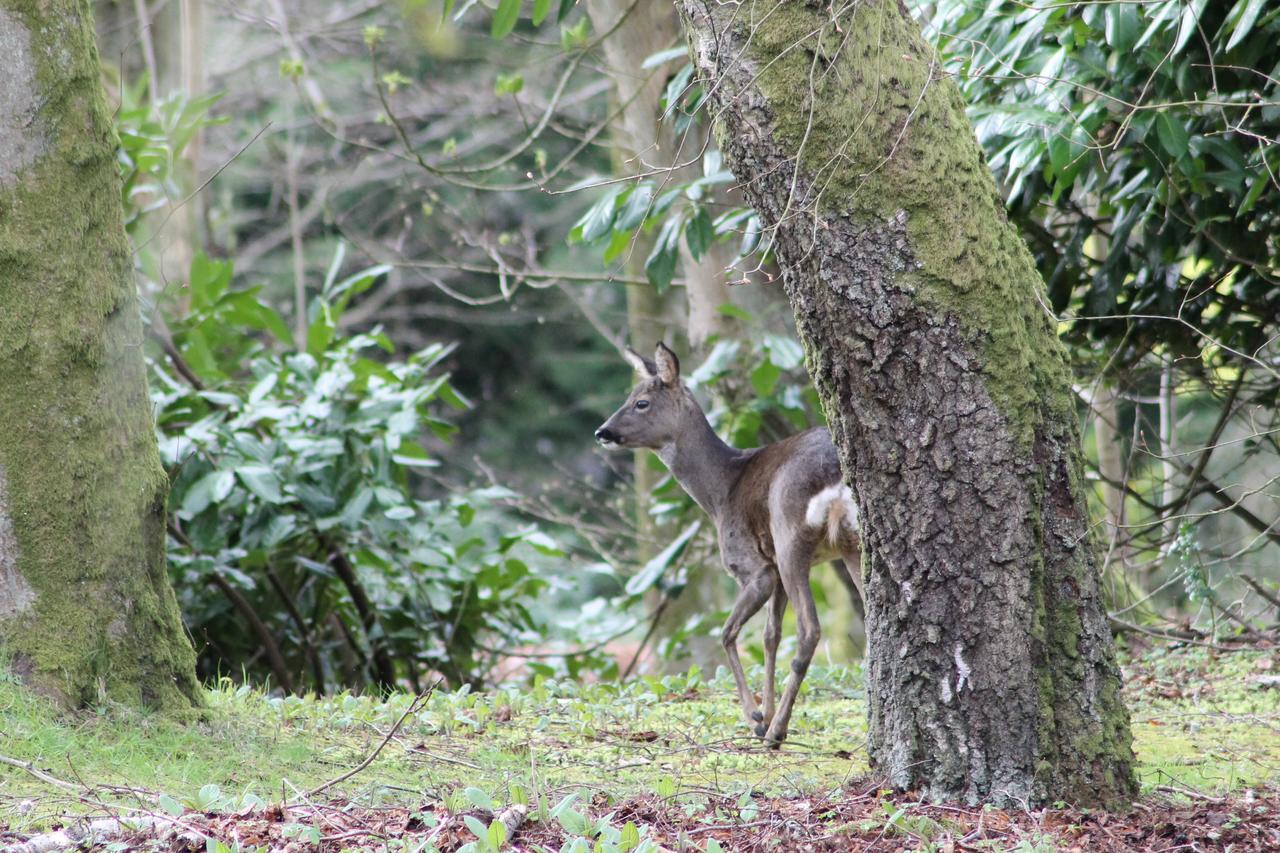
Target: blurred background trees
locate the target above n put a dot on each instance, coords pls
(389, 252)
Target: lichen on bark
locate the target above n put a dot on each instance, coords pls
(85, 488)
(990, 669)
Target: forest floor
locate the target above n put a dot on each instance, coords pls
(650, 765)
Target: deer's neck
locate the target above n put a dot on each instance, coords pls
(704, 465)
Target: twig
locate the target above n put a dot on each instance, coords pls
(1261, 590)
(653, 626)
(413, 706)
(38, 773)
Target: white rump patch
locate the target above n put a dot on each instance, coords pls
(834, 500)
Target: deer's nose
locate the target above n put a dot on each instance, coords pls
(606, 436)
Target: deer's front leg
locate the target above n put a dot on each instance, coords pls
(754, 591)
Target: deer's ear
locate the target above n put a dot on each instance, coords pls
(642, 365)
(668, 365)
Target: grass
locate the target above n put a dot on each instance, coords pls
(1202, 723)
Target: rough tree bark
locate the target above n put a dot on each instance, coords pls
(991, 673)
(86, 610)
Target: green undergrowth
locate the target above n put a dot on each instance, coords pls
(1203, 723)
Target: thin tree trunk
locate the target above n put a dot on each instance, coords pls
(86, 609)
(991, 672)
(642, 143)
(1168, 447)
(1106, 437)
(268, 644)
(384, 671)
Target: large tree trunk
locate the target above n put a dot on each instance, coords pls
(991, 673)
(86, 611)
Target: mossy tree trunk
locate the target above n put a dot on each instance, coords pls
(991, 672)
(86, 610)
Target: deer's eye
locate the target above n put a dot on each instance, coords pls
(642, 404)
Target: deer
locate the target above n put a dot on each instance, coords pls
(778, 510)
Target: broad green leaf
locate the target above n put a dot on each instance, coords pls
(662, 57)
(765, 377)
(728, 309)
(1260, 183)
(566, 6)
(636, 208)
(619, 242)
(1122, 26)
(654, 569)
(630, 839)
(208, 796)
(716, 363)
(335, 265)
(262, 481)
(1172, 134)
(170, 805)
(544, 544)
(504, 19)
(540, 10)
(478, 829)
(209, 279)
(263, 387)
(210, 489)
(1188, 24)
(413, 455)
(660, 266)
(598, 220)
(784, 351)
(1245, 14)
(698, 233)
(354, 511)
(479, 799)
(320, 333)
(509, 84)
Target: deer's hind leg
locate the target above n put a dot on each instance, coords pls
(754, 590)
(794, 557)
(772, 637)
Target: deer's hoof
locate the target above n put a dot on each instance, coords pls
(759, 718)
(760, 730)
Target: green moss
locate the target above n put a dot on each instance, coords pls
(863, 103)
(77, 447)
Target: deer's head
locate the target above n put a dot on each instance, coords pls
(656, 412)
